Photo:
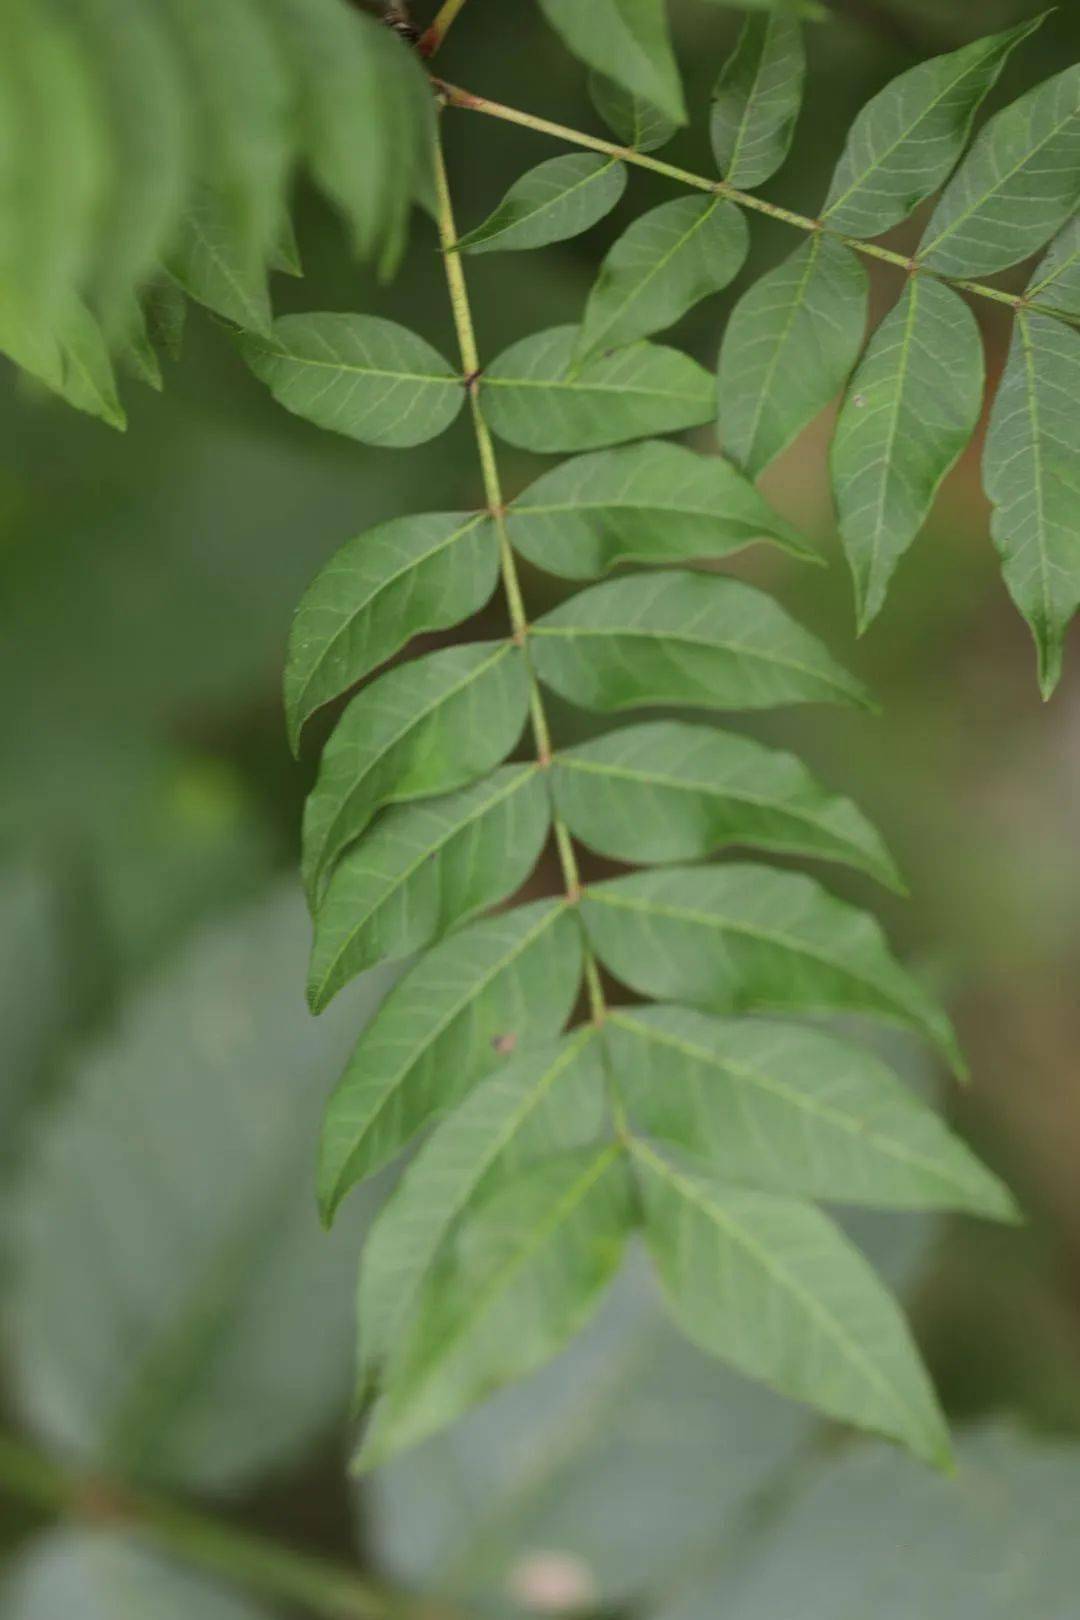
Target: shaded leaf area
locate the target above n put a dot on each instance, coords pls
(628, 42)
(1055, 281)
(757, 98)
(556, 200)
(165, 1208)
(634, 120)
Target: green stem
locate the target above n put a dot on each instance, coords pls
(444, 20)
(328, 1590)
(456, 97)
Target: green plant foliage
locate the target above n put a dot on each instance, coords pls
(559, 198)
(636, 122)
(99, 1575)
(1056, 281)
(757, 99)
(627, 41)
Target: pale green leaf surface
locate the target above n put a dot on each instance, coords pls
(548, 1101)
(211, 262)
(671, 791)
(1055, 282)
(425, 727)
(556, 200)
(626, 40)
(636, 122)
(662, 265)
(788, 347)
(496, 987)
(791, 1110)
(653, 502)
(1031, 470)
(769, 1284)
(69, 356)
(523, 1274)
(757, 98)
(370, 379)
(683, 638)
(1016, 187)
(423, 869)
(906, 140)
(411, 574)
(536, 398)
(908, 415)
(742, 938)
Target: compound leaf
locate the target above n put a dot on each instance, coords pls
(757, 98)
(788, 348)
(683, 638)
(908, 415)
(626, 40)
(670, 791)
(556, 200)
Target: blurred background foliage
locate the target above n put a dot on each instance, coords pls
(170, 1310)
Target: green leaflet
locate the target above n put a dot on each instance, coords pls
(70, 357)
(636, 122)
(548, 1101)
(523, 1274)
(769, 1284)
(1017, 186)
(757, 98)
(683, 638)
(908, 415)
(401, 578)
(1055, 282)
(626, 40)
(787, 349)
(661, 266)
(535, 397)
(670, 791)
(791, 1110)
(653, 502)
(739, 938)
(557, 199)
(166, 315)
(212, 264)
(905, 142)
(422, 869)
(423, 728)
(357, 374)
(99, 1574)
(495, 987)
(1030, 471)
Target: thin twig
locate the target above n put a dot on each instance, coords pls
(445, 18)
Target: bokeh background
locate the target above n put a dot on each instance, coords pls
(169, 1305)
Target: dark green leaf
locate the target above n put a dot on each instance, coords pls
(1056, 281)
(652, 502)
(757, 98)
(788, 348)
(740, 938)
(359, 375)
(636, 122)
(556, 200)
(423, 728)
(909, 414)
(422, 869)
(523, 1274)
(534, 396)
(498, 986)
(1030, 469)
(669, 791)
(1017, 186)
(406, 576)
(683, 638)
(906, 140)
(626, 40)
(661, 266)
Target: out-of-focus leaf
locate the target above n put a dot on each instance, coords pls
(757, 98)
(534, 396)
(408, 575)
(661, 266)
(626, 40)
(1016, 187)
(523, 1272)
(652, 502)
(170, 1265)
(636, 122)
(905, 141)
(422, 869)
(211, 262)
(683, 638)
(740, 938)
(669, 791)
(426, 727)
(1030, 469)
(556, 200)
(359, 375)
(69, 357)
(503, 983)
(33, 986)
(787, 350)
(908, 415)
